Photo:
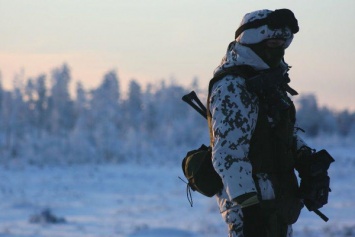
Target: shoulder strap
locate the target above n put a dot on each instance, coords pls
(244, 71)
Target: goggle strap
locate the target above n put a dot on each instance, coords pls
(254, 24)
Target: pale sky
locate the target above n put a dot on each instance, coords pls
(151, 40)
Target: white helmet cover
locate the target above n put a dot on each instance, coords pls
(265, 24)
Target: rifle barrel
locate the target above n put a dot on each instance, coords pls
(321, 215)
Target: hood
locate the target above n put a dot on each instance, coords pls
(238, 54)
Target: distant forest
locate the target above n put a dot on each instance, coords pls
(41, 123)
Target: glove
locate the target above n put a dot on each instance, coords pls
(253, 221)
(315, 191)
(313, 171)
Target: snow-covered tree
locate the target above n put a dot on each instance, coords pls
(105, 99)
(346, 122)
(133, 105)
(150, 116)
(41, 102)
(16, 122)
(308, 117)
(105, 116)
(60, 106)
(81, 102)
(42, 123)
(1, 94)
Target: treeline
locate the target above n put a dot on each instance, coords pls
(40, 122)
(318, 121)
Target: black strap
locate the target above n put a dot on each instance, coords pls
(254, 24)
(242, 70)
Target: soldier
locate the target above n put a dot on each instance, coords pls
(252, 124)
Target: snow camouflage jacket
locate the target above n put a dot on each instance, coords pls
(230, 150)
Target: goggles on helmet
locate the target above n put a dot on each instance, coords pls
(277, 19)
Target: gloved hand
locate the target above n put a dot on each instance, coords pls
(313, 171)
(315, 191)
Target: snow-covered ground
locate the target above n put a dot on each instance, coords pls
(127, 200)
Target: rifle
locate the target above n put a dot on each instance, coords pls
(193, 100)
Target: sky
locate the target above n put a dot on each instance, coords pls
(172, 40)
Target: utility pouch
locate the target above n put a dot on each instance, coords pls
(286, 207)
(287, 210)
(290, 209)
(198, 169)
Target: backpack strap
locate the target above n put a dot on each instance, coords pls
(244, 71)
